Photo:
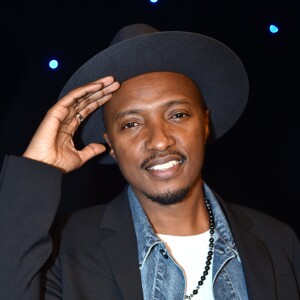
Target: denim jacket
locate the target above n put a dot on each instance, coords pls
(163, 279)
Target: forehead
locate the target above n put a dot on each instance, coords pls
(151, 90)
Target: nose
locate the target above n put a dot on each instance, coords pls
(159, 137)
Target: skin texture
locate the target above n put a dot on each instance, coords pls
(53, 143)
(157, 129)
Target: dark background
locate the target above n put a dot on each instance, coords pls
(255, 164)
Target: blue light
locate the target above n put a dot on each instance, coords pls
(273, 28)
(53, 64)
(153, 1)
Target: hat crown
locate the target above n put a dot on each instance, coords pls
(131, 31)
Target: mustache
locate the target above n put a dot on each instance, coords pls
(160, 155)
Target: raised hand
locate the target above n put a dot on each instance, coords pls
(53, 141)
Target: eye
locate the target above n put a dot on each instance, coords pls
(130, 125)
(179, 115)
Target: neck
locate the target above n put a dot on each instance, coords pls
(189, 217)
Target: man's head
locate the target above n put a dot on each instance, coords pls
(157, 127)
(139, 49)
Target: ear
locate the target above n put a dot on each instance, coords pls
(111, 150)
(206, 124)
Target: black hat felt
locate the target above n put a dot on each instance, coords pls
(139, 48)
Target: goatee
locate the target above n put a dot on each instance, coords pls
(169, 197)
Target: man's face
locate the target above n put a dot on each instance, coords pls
(157, 129)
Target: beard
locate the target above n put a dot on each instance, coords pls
(169, 197)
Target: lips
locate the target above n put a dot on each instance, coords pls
(164, 165)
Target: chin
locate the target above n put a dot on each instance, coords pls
(168, 197)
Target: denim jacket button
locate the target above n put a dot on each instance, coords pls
(164, 253)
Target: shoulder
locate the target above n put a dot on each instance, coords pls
(265, 226)
(78, 228)
(89, 216)
(87, 224)
(258, 217)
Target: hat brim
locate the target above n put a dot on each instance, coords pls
(215, 68)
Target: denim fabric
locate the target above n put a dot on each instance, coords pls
(163, 279)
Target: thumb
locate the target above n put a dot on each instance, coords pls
(91, 151)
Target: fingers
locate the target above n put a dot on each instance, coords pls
(84, 100)
(53, 141)
(88, 92)
(108, 80)
(89, 104)
(96, 99)
(73, 108)
(91, 151)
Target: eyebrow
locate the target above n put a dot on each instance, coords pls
(163, 105)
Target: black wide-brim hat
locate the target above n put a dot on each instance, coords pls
(139, 48)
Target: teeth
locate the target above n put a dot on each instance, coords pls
(165, 166)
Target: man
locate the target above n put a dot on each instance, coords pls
(167, 235)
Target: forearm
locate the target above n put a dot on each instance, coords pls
(29, 198)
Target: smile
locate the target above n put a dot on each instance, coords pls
(165, 166)
(165, 169)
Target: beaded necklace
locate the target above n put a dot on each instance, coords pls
(210, 251)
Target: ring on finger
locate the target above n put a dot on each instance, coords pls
(80, 117)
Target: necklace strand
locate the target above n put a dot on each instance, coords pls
(209, 254)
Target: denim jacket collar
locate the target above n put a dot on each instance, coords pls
(147, 238)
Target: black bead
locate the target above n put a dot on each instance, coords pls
(205, 273)
(195, 292)
(207, 268)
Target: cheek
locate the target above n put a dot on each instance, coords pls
(129, 164)
(194, 145)
(195, 136)
(126, 155)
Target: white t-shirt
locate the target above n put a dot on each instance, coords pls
(190, 253)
